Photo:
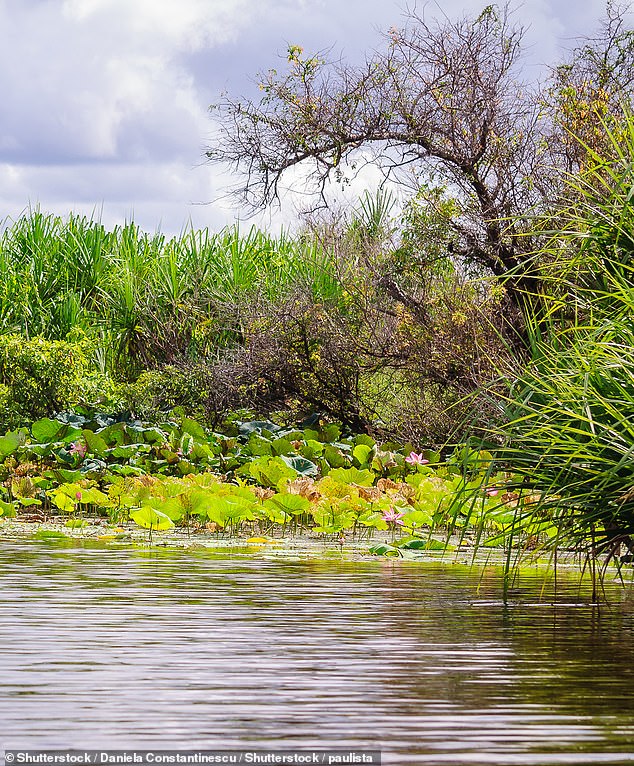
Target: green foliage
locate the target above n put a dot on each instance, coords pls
(156, 392)
(570, 431)
(40, 376)
(151, 519)
(7, 510)
(363, 478)
(213, 322)
(177, 473)
(145, 300)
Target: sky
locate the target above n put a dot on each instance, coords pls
(105, 103)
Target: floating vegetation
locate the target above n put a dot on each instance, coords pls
(258, 480)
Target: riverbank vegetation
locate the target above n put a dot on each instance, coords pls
(458, 364)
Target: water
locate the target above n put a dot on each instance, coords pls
(117, 648)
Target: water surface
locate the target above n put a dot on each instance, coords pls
(121, 648)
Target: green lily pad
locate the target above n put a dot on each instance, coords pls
(382, 549)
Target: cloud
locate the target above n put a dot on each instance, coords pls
(105, 101)
(184, 25)
(80, 74)
(155, 196)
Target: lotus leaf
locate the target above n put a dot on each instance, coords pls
(148, 518)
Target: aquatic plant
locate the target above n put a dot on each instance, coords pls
(178, 473)
(569, 432)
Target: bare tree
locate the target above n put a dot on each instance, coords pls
(441, 97)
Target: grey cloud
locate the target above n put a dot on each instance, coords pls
(105, 101)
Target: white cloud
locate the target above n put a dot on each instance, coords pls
(182, 24)
(105, 101)
(75, 76)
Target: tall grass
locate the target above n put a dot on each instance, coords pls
(147, 299)
(569, 433)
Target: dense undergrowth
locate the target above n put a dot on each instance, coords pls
(439, 410)
(341, 318)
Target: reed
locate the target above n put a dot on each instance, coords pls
(568, 437)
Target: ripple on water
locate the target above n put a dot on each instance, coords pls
(110, 648)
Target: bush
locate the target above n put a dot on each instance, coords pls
(38, 377)
(156, 392)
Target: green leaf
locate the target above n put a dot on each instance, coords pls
(193, 428)
(282, 447)
(128, 450)
(372, 519)
(293, 435)
(425, 545)
(65, 497)
(311, 449)
(94, 496)
(334, 457)
(368, 441)
(10, 442)
(269, 471)
(25, 502)
(63, 475)
(417, 519)
(96, 444)
(114, 434)
(275, 514)
(361, 453)
(364, 478)
(93, 468)
(39, 450)
(7, 509)
(432, 456)
(155, 436)
(73, 419)
(301, 465)
(148, 518)
(239, 509)
(330, 433)
(199, 500)
(382, 549)
(216, 509)
(259, 446)
(293, 504)
(126, 470)
(169, 506)
(45, 429)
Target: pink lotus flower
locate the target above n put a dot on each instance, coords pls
(392, 516)
(491, 491)
(79, 449)
(416, 459)
(78, 497)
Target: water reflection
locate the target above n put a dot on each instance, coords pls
(117, 648)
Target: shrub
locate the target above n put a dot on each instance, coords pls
(39, 376)
(156, 392)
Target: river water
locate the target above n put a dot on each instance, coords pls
(123, 648)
